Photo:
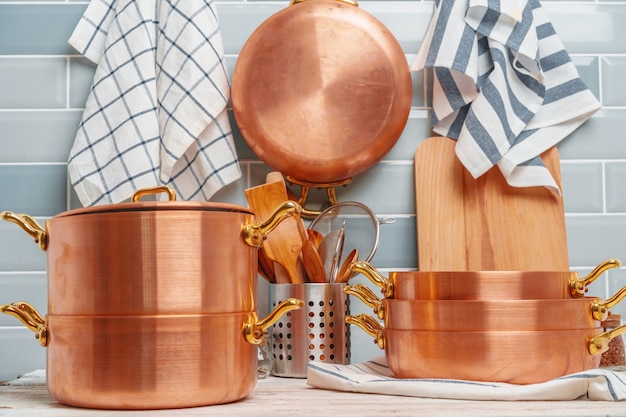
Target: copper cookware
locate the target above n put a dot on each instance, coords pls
(321, 91)
(149, 361)
(482, 285)
(152, 257)
(483, 315)
(518, 357)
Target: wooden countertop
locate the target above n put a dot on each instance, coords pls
(275, 397)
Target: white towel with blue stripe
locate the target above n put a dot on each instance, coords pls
(504, 86)
(375, 377)
(156, 113)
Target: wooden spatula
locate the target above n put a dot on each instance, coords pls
(484, 224)
(283, 244)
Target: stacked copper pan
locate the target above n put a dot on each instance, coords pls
(493, 300)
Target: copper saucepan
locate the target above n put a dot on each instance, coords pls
(149, 361)
(482, 285)
(517, 357)
(488, 315)
(327, 98)
(152, 257)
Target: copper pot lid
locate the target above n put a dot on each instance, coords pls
(321, 91)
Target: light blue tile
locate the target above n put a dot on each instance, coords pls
(614, 91)
(601, 137)
(590, 27)
(616, 187)
(416, 130)
(18, 251)
(37, 190)
(20, 353)
(30, 287)
(588, 69)
(617, 281)
(33, 83)
(37, 136)
(81, 78)
(398, 245)
(582, 187)
(35, 29)
(593, 238)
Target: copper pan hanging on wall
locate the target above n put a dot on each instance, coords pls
(321, 91)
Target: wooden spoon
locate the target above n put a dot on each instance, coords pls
(345, 272)
(313, 264)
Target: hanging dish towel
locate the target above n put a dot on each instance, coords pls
(375, 377)
(504, 86)
(156, 113)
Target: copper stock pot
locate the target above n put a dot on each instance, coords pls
(151, 304)
(482, 285)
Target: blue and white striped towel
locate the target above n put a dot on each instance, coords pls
(504, 86)
(375, 377)
(156, 113)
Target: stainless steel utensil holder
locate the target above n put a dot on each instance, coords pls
(316, 332)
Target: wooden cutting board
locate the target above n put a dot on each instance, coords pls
(467, 224)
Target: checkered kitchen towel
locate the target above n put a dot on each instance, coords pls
(375, 377)
(504, 86)
(156, 113)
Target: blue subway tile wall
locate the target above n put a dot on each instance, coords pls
(44, 84)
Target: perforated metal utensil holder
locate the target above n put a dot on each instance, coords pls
(316, 332)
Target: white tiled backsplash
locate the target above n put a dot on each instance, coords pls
(44, 83)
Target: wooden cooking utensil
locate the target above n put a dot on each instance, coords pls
(345, 272)
(467, 224)
(283, 244)
(313, 265)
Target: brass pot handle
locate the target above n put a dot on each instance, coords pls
(254, 235)
(171, 193)
(600, 343)
(578, 288)
(254, 333)
(371, 273)
(30, 317)
(30, 226)
(366, 295)
(600, 310)
(370, 326)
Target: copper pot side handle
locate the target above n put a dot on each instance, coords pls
(254, 235)
(366, 295)
(30, 317)
(352, 2)
(371, 273)
(600, 310)
(578, 288)
(171, 194)
(370, 326)
(254, 333)
(29, 225)
(600, 344)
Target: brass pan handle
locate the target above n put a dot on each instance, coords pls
(30, 317)
(366, 295)
(600, 310)
(255, 235)
(600, 343)
(370, 326)
(30, 226)
(171, 193)
(373, 275)
(578, 288)
(352, 2)
(254, 333)
(305, 186)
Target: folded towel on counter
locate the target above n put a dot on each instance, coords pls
(504, 86)
(156, 113)
(36, 377)
(375, 377)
